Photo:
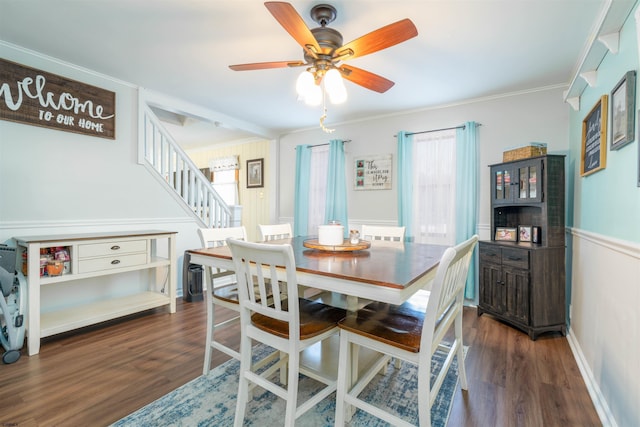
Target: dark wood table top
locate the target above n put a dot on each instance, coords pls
(388, 264)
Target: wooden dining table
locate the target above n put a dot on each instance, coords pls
(389, 272)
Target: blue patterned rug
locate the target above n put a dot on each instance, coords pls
(211, 400)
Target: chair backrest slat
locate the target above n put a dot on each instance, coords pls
(272, 268)
(214, 237)
(275, 231)
(447, 293)
(375, 232)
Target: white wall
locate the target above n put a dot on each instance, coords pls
(507, 122)
(60, 182)
(605, 248)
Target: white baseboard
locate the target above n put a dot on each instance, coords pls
(601, 405)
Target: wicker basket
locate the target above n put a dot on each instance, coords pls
(531, 150)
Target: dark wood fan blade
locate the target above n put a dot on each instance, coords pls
(366, 79)
(291, 21)
(266, 65)
(379, 39)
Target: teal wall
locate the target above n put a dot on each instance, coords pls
(607, 202)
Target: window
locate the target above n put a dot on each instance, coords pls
(226, 184)
(225, 178)
(434, 187)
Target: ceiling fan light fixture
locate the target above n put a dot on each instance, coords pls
(304, 83)
(335, 86)
(324, 50)
(307, 89)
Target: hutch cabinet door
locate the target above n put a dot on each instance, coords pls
(517, 182)
(529, 179)
(501, 181)
(517, 284)
(493, 295)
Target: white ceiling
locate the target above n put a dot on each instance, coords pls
(182, 48)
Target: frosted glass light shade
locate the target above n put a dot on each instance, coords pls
(314, 96)
(335, 86)
(304, 83)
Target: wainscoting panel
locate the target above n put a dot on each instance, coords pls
(605, 323)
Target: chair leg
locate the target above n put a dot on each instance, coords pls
(424, 395)
(207, 350)
(344, 378)
(243, 385)
(462, 372)
(284, 370)
(292, 389)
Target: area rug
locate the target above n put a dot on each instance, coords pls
(211, 400)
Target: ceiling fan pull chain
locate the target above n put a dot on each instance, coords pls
(324, 128)
(324, 108)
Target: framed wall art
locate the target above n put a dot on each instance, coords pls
(594, 138)
(373, 172)
(623, 105)
(255, 173)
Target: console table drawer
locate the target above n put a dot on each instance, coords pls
(107, 263)
(90, 250)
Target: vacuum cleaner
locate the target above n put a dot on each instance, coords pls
(12, 305)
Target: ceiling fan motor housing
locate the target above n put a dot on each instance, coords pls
(323, 14)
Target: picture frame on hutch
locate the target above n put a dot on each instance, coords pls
(524, 233)
(594, 138)
(255, 173)
(623, 105)
(506, 234)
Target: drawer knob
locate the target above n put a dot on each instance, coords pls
(115, 247)
(115, 262)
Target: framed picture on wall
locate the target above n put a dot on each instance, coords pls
(255, 173)
(623, 105)
(594, 138)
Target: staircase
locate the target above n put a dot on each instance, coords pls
(160, 153)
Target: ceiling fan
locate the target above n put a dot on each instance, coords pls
(323, 47)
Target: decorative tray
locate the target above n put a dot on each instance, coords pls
(346, 246)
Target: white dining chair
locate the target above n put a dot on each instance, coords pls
(377, 232)
(288, 324)
(222, 290)
(275, 231)
(411, 332)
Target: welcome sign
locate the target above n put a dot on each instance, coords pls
(43, 99)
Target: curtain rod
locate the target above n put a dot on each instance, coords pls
(437, 130)
(326, 143)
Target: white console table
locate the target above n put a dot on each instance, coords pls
(93, 255)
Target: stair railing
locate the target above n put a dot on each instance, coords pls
(162, 154)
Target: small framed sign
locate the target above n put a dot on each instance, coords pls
(372, 172)
(594, 138)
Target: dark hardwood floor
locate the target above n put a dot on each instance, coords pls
(95, 376)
